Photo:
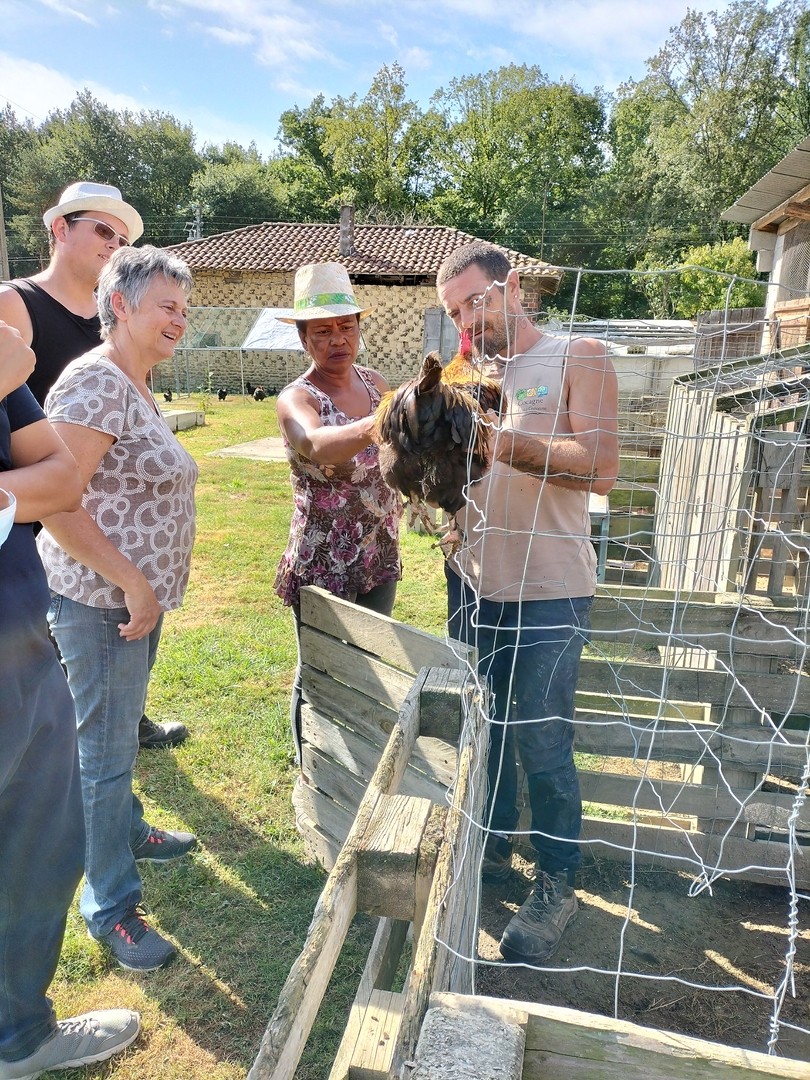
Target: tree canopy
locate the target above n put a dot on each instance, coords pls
(582, 179)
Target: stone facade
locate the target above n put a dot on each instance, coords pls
(394, 332)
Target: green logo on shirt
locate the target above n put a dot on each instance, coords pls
(530, 393)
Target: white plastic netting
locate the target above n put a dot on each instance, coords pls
(692, 713)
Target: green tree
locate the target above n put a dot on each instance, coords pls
(236, 193)
(517, 154)
(707, 278)
(149, 156)
(702, 126)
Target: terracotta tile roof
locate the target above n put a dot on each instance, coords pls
(379, 250)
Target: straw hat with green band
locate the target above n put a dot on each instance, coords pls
(323, 291)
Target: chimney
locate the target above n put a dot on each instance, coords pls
(347, 230)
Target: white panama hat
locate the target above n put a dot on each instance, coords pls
(86, 195)
(323, 291)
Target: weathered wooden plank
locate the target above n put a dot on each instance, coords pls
(693, 624)
(381, 1021)
(563, 1042)
(752, 860)
(432, 840)
(692, 744)
(319, 847)
(776, 693)
(624, 704)
(348, 705)
(387, 856)
(302, 993)
(355, 668)
(378, 973)
(441, 705)
(334, 779)
(623, 496)
(433, 758)
(625, 526)
(712, 802)
(451, 915)
(457, 925)
(333, 822)
(394, 642)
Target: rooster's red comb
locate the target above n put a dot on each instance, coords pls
(465, 343)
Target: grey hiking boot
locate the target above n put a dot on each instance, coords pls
(82, 1040)
(496, 866)
(534, 931)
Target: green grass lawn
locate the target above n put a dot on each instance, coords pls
(239, 908)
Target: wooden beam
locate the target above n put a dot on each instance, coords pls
(378, 974)
(797, 211)
(387, 857)
(567, 1042)
(300, 998)
(770, 222)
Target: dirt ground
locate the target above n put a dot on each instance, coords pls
(735, 937)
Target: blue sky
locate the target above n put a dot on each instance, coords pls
(230, 67)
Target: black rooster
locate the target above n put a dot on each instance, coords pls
(432, 433)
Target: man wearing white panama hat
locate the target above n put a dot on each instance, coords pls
(344, 530)
(55, 311)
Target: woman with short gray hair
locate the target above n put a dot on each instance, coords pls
(114, 567)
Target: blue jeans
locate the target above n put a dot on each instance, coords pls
(528, 654)
(41, 847)
(380, 599)
(108, 677)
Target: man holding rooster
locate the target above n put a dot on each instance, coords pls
(521, 584)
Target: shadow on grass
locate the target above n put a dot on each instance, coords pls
(239, 909)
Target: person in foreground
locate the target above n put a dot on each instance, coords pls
(55, 311)
(41, 822)
(114, 566)
(521, 585)
(345, 526)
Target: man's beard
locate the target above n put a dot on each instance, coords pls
(493, 341)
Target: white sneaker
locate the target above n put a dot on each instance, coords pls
(81, 1040)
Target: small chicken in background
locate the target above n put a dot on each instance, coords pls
(167, 395)
(432, 431)
(222, 393)
(259, 394)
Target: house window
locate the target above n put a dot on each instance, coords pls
(439, 335)
(794, 269)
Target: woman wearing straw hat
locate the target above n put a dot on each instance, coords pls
(344, 529)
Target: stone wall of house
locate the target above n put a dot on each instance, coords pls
(393, 333)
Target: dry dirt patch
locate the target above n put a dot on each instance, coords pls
(735, 937)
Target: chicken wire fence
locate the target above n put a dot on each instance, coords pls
(693, 711)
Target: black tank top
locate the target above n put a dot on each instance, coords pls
(59, 336)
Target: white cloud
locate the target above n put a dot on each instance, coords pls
(227, 37)
(66, 9)
(38, 89)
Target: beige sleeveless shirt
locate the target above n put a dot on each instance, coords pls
(525, 538)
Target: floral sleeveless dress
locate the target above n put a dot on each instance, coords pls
(345, 525)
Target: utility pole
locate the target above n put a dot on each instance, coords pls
(4, 269)
(195, 227)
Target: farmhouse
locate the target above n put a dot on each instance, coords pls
(239, 274)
